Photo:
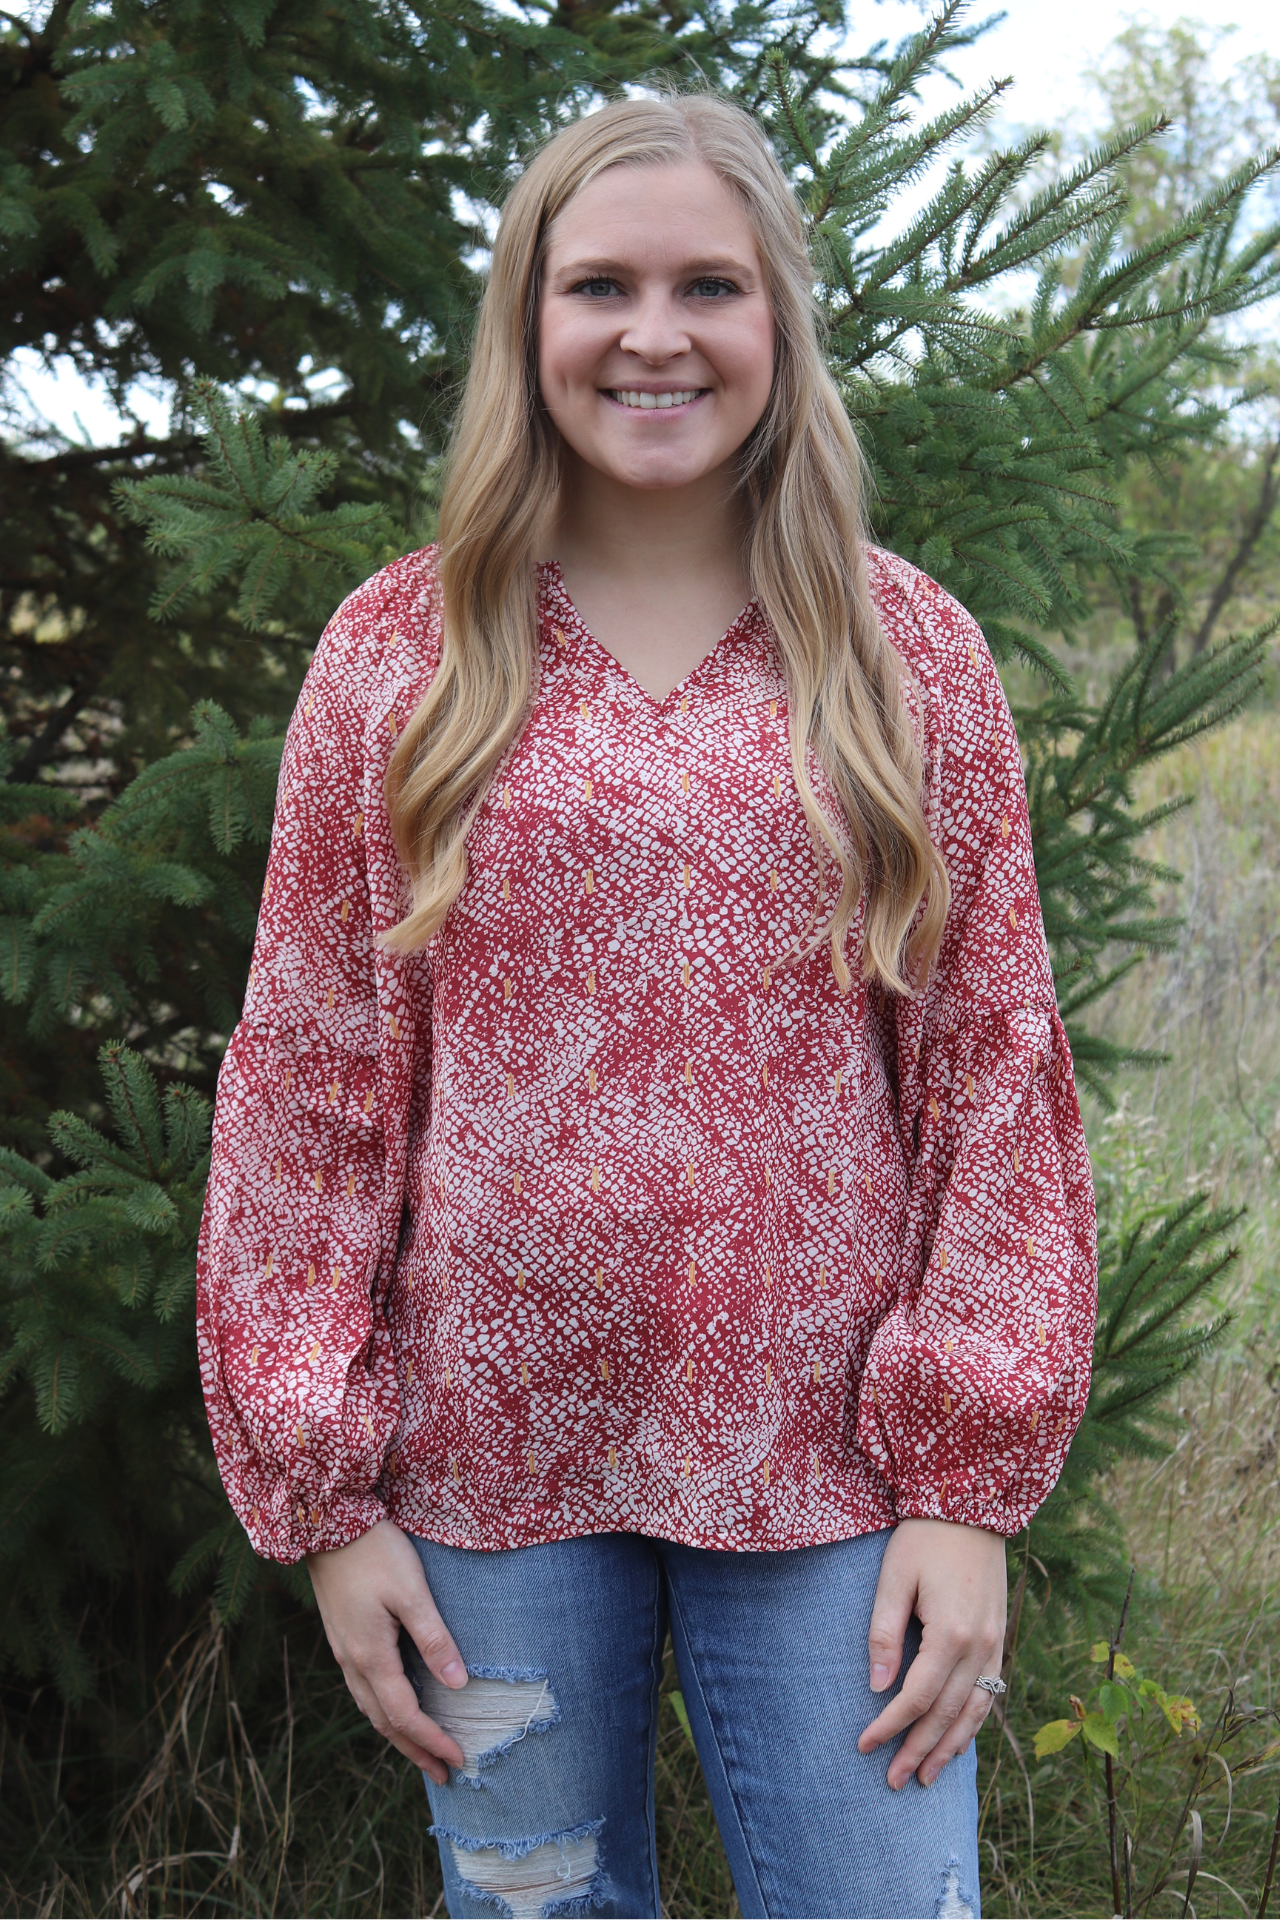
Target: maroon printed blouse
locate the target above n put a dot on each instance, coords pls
(605, 1211)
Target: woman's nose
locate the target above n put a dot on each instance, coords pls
(655, 331)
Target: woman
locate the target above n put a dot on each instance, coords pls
(648, 1186)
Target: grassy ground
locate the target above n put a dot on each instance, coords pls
(247, 1784)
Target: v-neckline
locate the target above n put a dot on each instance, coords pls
(553, 580)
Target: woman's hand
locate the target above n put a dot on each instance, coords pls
(953, 1579)
(366, 1592)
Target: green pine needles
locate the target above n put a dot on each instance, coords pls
(248, 208)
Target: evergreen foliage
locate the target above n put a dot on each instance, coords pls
(257, 199)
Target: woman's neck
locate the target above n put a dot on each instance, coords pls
(658, 576)
(636, 536)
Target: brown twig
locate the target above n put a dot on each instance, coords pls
(1112, 1836)
(1271, 1868)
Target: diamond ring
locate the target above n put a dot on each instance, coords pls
(990, 1683)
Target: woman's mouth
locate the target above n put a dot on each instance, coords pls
(636, 397)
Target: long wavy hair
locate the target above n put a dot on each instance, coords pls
(804, 485)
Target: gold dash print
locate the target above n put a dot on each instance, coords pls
(768, 1174)
(688, 1073)
(335, 1280)
(1013, 918)
(448, 1376)
(867, 1178)
(684, 783)
(777, 787)
(1031, 1248)
(766, 1473)
(764, 1076)
(768, 1373)
(613, 1458)
(253, 1357)
(831, 1183)
(559, 636)
(351, 1185)
(946, 1403)
(604, 1371)
(1042, 1334)
(395, 1026)
(1035, 1418)
(1004, 826)
(688, 876)
(817, 1373)
(599, 1279)
(586, 788)
(311, 1273)
(942, 1259)
(506, 799)
(511, 1086)
(357, 825)
(693, 1273)
(506, 986)
(879, 1281)
(690, 1176)
(591, 981)
(1017, 1160)
(519, 1279)
(457, 1477)
(524, 1374)
(533, 1461)
(766, 977)
(588, 881)
(344, 912)
(773, 709)
(328, 1001)
(506, 890)
(595, 1179)
(822, 1275)
(688, 1372)
(318, 1177)
(584, 709)
(269, 1263)
(279, 1169)
(839, 1080)
(684, 703)
(591, 1080)
(391, 722)
(685, 974)
(970, 1085)
(773, 879)
(368, 1107)
(302, 1438)
(516, 1185)
(768, 1274)
(688, 1465)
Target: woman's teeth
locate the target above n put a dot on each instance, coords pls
(629, 398)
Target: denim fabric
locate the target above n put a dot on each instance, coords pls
(556, 1813)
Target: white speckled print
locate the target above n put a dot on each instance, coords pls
(596, 1215)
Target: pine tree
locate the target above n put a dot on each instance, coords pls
(998, 434)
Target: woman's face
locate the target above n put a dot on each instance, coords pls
(655, 333)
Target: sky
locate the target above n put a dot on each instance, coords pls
(1047, 48)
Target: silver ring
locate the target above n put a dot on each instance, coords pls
(991, 1683)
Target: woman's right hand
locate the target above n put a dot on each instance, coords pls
(366, 1592)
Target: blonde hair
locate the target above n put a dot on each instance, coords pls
(804, 483)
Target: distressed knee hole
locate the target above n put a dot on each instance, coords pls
(490, 1714)
(952, 1903)
(527, 1879)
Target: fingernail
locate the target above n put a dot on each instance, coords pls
(455, 1674)
(879, 1679)
(930, 1776)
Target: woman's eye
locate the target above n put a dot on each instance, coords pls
(596, 288)
(712, 288)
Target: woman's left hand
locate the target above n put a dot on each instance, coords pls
(953, 1579)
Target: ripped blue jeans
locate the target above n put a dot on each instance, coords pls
(554, 1810)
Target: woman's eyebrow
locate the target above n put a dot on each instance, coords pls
(603, 269)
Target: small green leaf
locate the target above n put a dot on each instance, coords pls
(1100, 1733)
(1124, 1667)
(1099, 1652)
(1053, 1737)
(1113, 1700)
